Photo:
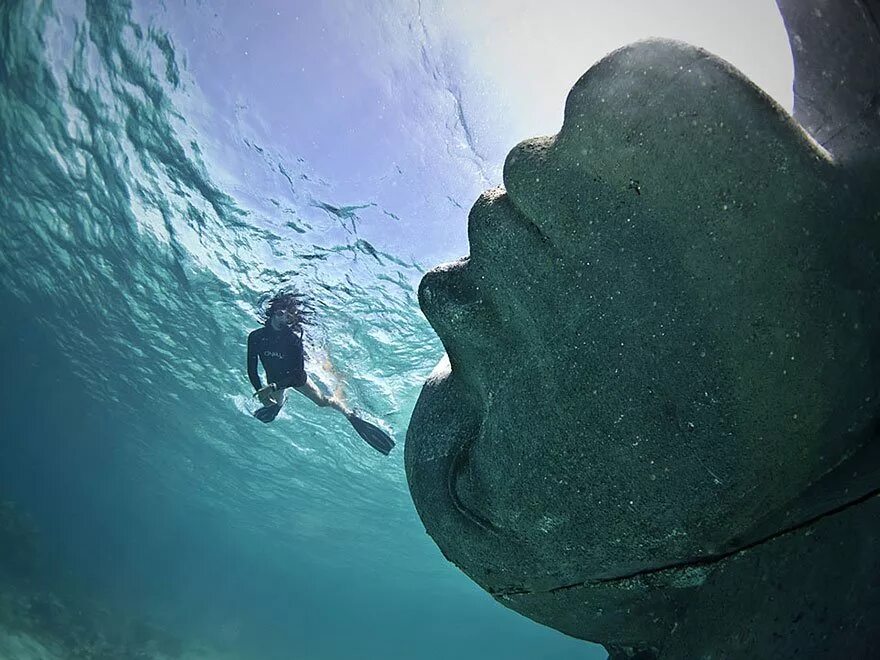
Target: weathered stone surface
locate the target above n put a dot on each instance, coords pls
(662, 381)
(811, 593)
(836, 49)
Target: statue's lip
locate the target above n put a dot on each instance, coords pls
(450, 450)
(452, 472)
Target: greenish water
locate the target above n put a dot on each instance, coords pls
(131, 276)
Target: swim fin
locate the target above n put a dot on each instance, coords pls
(267, 413)
(372, 435)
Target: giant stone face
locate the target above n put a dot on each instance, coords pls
(660, 349)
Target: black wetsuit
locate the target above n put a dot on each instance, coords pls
(281, 352)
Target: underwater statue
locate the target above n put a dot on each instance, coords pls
(656, 426)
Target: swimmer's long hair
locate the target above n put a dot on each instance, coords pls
(292, 301)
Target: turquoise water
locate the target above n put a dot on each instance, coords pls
(136, 246)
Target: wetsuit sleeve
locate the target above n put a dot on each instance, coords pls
(253, 374)
(296, 372)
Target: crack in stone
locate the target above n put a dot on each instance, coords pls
(694, 563)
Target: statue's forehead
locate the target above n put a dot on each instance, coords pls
(664, 125)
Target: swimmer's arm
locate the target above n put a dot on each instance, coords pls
(253, 374)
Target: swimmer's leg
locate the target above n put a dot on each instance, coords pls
(310, 391)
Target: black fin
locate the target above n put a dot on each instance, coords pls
(267, 413)
(372, 435)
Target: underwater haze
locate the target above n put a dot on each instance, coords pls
(162, 169)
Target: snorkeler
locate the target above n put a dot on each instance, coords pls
(279, 346)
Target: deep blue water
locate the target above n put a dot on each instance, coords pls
(136, 245)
